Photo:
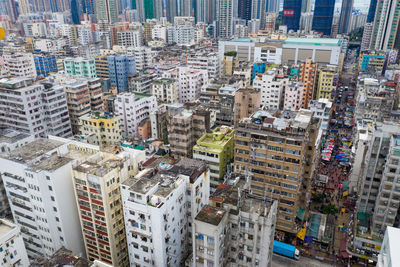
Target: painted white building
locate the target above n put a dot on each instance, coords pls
(130, 38)
(37, 179)
(241, 31)
(293, 95)
(271, 84)
(190, 82)
(159, 32)
(84, 35)
(143, 56)
(133, 108)
(322, 110)
(12, 249)
(205, 61)
(34, 108)
(20, 64)
(389, 255)
(181, 35)
(236, 229)
(160, 207)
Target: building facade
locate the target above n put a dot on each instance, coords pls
(13, 252)
(159, 206)
(20, 64)
(80, 67)
(216, 149)
(165, 90)
(119, 69)
(134, 108)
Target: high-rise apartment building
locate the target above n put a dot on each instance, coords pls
(130, 38)
(225, 19)
(367, 34)
(371, 11)
(386, 23)
(258, 11)
(244, 9)
(100, 128)
(165, 90)
(307, 75)
(327, 79)
(277, 153)
(34, 108)
(96, 183)
(216, 149)
(292, 14)
(247, 101)
(107, 11)
(377, 162)
(181, 34)
(371, 60)
(159, 206)
(159, 123)
(20, 64)
(133, 108)
(293, 95)
(271, 85)
(185, 127)
(205, 61)
(83, 95)
(388, 199)
(119, 69)
(37, 179)
(323, 16)
(102, 67)
(80, 67)
(190, 83)
(45, 64)
(236, 228)
(13, 252)
(143, 56)
(345, 16)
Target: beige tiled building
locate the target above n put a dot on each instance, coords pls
(247, 101)
(185, 127)
(277, 152)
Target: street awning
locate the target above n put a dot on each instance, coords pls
(300, 214)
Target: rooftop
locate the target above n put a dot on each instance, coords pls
(5, 227)
(164, 171)
(33, 150)
(249, 203)
(211, 215)
(313, 41)
(99, 164)
(10, 136)
(394, 243)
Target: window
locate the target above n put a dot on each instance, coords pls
(210, 240)
(50, 188)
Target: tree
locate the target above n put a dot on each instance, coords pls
(318, 197)
(330, 209)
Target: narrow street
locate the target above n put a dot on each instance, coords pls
(332, 197)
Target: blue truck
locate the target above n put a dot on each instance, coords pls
(286, 250)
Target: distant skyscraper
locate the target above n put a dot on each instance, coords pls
(206, 11)
(89, 7)
(76, 11)
(292, 14)
(371, 11)
(244, 9)
(107, 10)
(273, 5)
(345, 16)
(225, 18)
(258, 11)
(385, 31)
(306, 6)
(323, 16)
(8, 7)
